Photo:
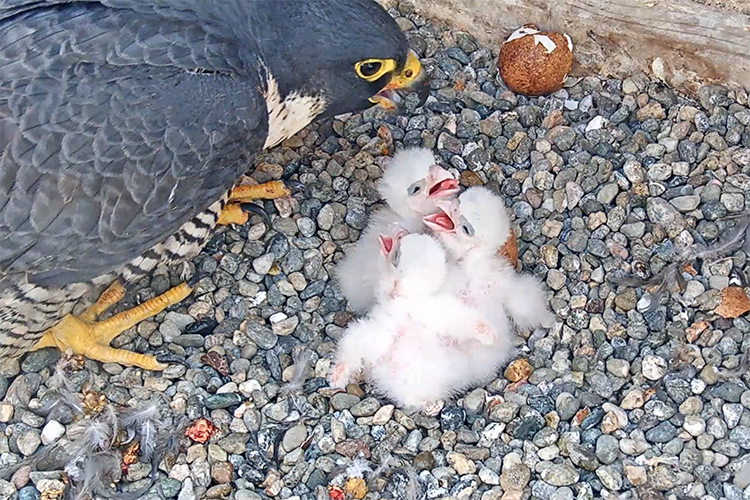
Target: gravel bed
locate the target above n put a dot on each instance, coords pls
(605, 178)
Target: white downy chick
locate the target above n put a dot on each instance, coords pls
(406, 345)
(410, 186)
(473, 228)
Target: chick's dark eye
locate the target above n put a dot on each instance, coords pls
(369, 69)
(396, 257)
(414, 189)
(467, 229)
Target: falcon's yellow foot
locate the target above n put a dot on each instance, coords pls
(232, 214)
(85, 336)
(266, 191)
(239, 203)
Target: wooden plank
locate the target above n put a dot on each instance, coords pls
(683, 42)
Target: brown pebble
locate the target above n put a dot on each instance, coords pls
(469, 179)
(21, 477)
(355, 487)
(219, 491)
(553, 119)
(355, 390)
(342, 319)
(582, 414)
(734, 303)
(351, 447)
(609, 423)
(636, 475)
(518, 370)
(221, 472)
(424, 461)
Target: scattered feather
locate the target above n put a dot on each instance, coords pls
(379, 471)
(97, 473)
(358, 468)
(61, 398)
(89, 436)
(302, 370)
(143, 421)
(732, 239)
(169, 439)
(668, 280)
(738, 372)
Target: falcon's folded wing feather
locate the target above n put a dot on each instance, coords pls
(117, 128)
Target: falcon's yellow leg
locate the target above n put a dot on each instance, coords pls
(241, 196)
(83, 335)
(109, 297)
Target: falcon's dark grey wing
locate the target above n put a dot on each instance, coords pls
(110, 139)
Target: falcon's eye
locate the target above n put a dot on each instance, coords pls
(370, 69)
(373, 69)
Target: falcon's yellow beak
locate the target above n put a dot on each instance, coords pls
(410, 78)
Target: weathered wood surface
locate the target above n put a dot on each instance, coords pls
(683, 42)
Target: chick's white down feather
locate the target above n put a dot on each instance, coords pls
(422, 344)
(410, 186)
(473, 228)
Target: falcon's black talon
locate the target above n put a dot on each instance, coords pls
(171, 358)
(297, 187)
(255, 209)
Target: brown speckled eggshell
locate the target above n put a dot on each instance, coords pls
(527, 68)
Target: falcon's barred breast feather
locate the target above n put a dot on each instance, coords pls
(125, 124)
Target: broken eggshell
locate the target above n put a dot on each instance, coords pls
(534, 62)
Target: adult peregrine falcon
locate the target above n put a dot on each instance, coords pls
(125, 124)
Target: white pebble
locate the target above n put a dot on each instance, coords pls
(596, 123)
(228, 388)
(549, 452)
(263, 264)
(697, 386)
(6, 412)
(654, 367)
(720, 460)
(276, 317)
(53, 431)
(488, 476)
(695, 425)
(248, 387)
(622, 416)
(259, 297)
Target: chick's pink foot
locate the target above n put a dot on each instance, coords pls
(485, 334)
(340, 376)
(432, 409)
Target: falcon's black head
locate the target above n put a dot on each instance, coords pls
(350, 53)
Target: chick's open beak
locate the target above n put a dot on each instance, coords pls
(440, 183)
(411, 78)
(444, 220)
(388, 243)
